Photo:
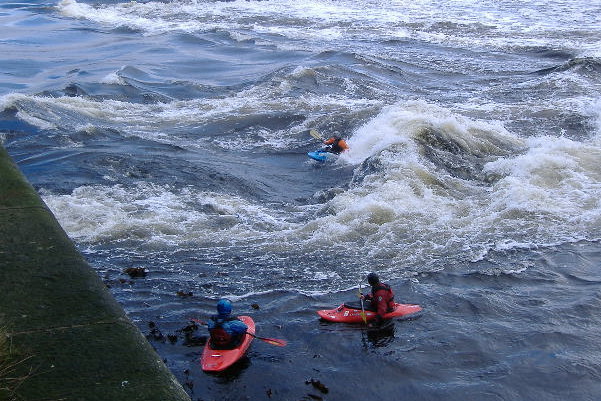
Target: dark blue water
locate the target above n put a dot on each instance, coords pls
(172, 135)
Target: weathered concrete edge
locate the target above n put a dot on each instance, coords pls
(79, 343)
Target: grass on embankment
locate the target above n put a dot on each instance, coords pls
(9, 378)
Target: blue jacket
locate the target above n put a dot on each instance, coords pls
(232, 327)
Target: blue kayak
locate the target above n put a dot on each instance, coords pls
(320, 155)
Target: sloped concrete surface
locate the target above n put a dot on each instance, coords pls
(79, 343)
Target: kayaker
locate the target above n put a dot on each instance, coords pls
(226, 331)
(335, 145)
(381, 299)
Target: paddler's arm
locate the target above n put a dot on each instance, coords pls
(238, 327)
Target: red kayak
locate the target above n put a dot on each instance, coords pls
(351, 313)
(216, 360)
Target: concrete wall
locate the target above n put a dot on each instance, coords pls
(80, 343)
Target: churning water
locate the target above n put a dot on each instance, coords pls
(172, 135)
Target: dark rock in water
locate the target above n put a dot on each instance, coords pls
(136, 272)
(189, 328)
(195, 341)
(184, 294)
(318, 385)
(189, 339)
(172, 338)
(155, 334)
(255, 306)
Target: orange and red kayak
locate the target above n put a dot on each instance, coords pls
(216, 360)
(350, 313)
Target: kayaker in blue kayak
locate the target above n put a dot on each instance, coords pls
(381, 299)
(226, 331)
(335, 145)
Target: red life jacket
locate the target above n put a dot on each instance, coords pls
(382, 298)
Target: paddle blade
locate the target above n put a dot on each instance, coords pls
(315, 134)
(275, 341)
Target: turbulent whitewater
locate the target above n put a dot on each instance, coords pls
(172, 135)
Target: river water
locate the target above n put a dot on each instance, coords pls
(172, 136)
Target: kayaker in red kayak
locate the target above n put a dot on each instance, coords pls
(381, 299)
(226, 331)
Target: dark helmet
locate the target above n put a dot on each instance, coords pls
(224, 306)
(373, 279)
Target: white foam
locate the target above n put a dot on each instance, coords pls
(556, 177)
(112, 78)
(153, 213)
(403, 206)
(159, 122)
(595, 110)
(398, 125)
(311, 23)
(546, 191)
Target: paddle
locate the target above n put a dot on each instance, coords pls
(315, 134)
(272, 341)
(362, 307)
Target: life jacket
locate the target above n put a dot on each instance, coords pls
(337, 144)
(387, 297)
(220, 338)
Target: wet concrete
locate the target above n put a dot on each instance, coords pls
(77, 342)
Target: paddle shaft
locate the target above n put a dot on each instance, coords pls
(362, 307)
(272, 341)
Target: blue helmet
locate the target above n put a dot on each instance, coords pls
(224, 306)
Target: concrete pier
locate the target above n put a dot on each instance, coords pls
(57, 312)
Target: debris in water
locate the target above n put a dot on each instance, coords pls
(318, 385)
(190, 340)
(136, 272)
(155, 333)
